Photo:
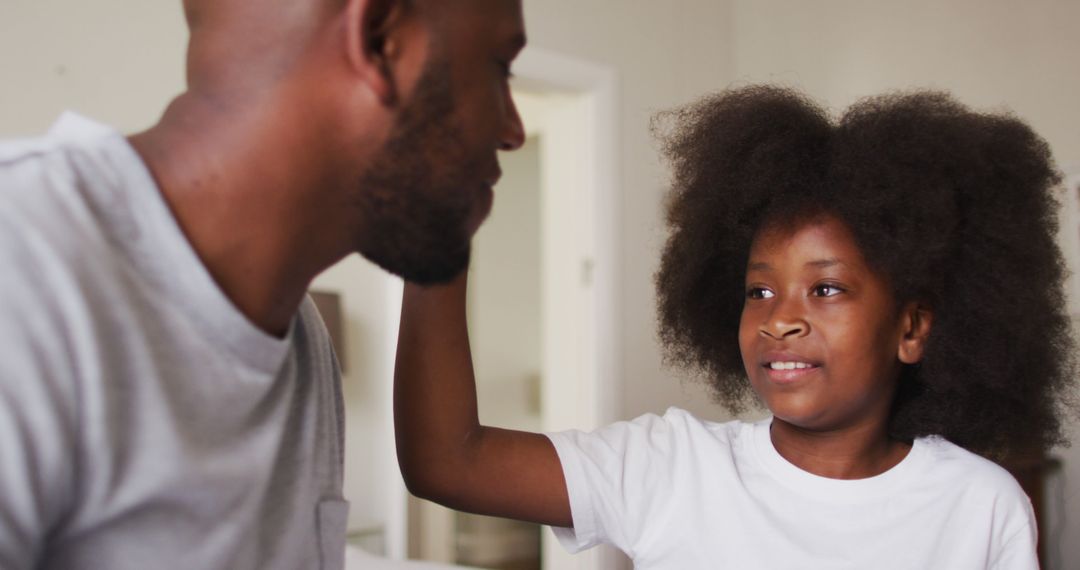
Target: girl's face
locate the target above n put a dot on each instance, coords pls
(821, 335)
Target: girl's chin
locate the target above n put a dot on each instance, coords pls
(797, 412)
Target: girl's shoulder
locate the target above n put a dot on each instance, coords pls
(727, 430)
(674, 430)
(679, 428)
(949, 464)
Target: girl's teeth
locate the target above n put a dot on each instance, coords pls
(789, 365)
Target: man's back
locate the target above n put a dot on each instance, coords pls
(144, 421)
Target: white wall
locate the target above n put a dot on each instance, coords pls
(989, 53)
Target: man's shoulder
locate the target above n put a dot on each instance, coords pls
(53, 246)
(24, 151)
(53, 159)
(31, 172)
(47, 233)
(74, 150)
(49, 202)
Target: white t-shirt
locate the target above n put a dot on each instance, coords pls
(679, 493)
(144, 422)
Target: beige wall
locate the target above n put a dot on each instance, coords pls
(990, 53)
(504, 297)
(665, 53)
(118, 61)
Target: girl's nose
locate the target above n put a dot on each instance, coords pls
(784, 322)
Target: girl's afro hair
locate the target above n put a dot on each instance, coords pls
(955, 208)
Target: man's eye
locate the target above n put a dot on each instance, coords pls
(759, 293)
(827, 290)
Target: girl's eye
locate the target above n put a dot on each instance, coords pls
(759, 293)
(826, 290)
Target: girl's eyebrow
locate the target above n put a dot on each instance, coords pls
(823, 263)
(819, 263)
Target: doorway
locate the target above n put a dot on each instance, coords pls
(536, 313)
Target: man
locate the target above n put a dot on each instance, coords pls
(168, 396)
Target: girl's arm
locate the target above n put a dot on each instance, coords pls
(445, 454)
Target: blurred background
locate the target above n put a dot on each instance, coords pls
(562, 305)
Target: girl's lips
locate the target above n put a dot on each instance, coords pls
(787, 375)
(786, 367)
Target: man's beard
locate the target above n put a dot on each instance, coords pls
(419, 191)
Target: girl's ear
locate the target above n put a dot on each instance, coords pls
(370, 43)
(917, 321)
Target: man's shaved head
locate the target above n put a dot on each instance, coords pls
(201, 14)
(250, 41)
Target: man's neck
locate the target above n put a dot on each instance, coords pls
(238, 187)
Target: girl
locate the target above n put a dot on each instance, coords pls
(888, 285)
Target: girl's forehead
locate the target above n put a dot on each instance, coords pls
(818, 240)
(814, 248)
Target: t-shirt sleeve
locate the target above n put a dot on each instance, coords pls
(1018, 550)
(616, 478)
(36, 424)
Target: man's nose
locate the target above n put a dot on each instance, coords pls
(512, 134)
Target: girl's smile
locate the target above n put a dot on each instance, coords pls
(787, 367)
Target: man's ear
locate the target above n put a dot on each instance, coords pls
(917, 319)
(368, 27)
